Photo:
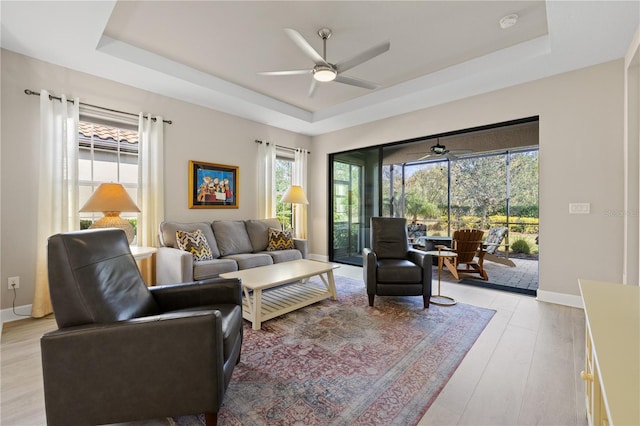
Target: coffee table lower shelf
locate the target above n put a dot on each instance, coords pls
(273, 290)
(281, 300)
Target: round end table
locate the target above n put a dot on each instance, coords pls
(439, 299)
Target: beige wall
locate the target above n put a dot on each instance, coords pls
(196, 134)
(631, 255)
(581, 134)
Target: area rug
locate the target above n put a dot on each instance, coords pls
(345, 363)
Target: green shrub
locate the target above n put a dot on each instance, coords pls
(520, 246)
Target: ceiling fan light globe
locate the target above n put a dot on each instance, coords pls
(438, 150)
(324, 74)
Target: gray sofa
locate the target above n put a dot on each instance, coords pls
(235, 245)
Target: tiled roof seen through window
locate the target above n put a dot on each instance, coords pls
(107, 137)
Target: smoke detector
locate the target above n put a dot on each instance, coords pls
(508, 21)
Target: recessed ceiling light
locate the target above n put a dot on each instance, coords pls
(508, 21)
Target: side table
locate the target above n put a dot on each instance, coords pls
(146, 263)
(439, 299)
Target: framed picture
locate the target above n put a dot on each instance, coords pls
(213, 186)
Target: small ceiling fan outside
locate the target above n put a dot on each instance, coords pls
(324, 71)
(438, 150)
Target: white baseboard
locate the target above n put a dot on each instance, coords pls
(319, 257)
(22, 312)
(560, 299)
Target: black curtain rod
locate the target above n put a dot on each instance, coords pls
(31, 92)
(282, 147)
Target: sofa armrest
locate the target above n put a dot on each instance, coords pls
(137, 363)
(425, 261)
(421, 258)
(173, 266)
(303, 246)
(214, 291)
(369, 259)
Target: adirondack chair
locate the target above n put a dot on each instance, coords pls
(467, 243)
(495, 239)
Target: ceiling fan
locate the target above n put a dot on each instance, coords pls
(438, 150)
(324, 71)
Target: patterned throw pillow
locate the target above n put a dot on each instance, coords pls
(280, 240)
(195, 243)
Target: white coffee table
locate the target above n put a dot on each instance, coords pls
(259, 305)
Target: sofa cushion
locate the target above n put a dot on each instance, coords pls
(232, 237)
(195, 243)
(258, 230)
(280, 256)
(167, 234)
(280, 239)
(398, 271)
(213, 268)
(250, 260)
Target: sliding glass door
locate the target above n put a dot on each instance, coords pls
(354, 199)
(486, 178)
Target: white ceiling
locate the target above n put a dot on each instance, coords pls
(209, 52)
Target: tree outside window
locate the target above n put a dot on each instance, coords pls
(284, 172)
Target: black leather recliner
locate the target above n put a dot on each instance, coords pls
(126, 352)
(390, 267)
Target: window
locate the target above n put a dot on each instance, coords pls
(107, 153)
(477, 191)
(284, 173)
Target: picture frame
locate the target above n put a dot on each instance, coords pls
(213, 186)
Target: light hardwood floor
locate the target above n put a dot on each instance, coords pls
(522, 370)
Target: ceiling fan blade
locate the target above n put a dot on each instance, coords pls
(461, 151)
(290, 72)
(363, 57)
(304, 45)
(313, 87)
(356, 82)
(425, 157)
(442, 156)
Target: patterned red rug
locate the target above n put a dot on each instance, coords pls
(345, 363)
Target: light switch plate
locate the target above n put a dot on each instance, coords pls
(579, 208)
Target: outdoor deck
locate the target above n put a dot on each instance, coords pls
(523, 278)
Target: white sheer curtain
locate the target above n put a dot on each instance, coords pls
(57, 186)
(300, 178)
(150, 179)
(266, 180)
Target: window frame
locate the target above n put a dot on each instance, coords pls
(88, 152)
(284, 211)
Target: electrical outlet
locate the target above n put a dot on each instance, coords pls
(14, 282)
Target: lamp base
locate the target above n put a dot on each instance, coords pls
(110, 220)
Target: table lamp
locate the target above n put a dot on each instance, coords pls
(111, 199)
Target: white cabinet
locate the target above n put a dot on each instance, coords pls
(612, 358)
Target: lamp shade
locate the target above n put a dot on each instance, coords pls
(295, 195)
(110, 197)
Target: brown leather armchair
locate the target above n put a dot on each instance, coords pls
(125, 352)
(390, 267)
